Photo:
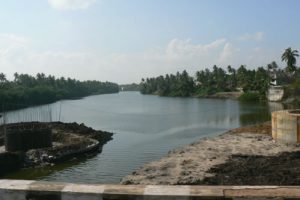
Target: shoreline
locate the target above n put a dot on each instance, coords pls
(218, 95)
(25, 106)
(242, 156)
(223, 95)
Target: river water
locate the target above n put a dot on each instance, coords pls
(145, 128)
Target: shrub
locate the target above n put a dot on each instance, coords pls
(250, 96)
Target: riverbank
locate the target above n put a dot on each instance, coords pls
(223, 95)
(243, 156)
(69, 140)
(27, 90)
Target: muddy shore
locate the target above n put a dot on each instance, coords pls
(224, 95)
(70, 140)
(243, 156)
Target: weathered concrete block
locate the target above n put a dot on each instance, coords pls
(25, 137)
(275, 93)
(286, 126)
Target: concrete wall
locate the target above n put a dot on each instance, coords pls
(285, 127)
(275, 93)
(34, 190)
(18, 139)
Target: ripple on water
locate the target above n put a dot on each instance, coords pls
(147, 127)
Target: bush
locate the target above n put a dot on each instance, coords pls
(250, 96)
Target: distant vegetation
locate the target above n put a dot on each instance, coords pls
(250, 96)
(26, 90)
(207, 82)
(180, 84)
(254, 82)
(130, 87)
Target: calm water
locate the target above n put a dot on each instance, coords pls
(146, 127)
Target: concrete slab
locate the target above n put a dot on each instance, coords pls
(21, 189)
(2, 149)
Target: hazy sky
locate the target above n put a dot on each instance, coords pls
(125, 40)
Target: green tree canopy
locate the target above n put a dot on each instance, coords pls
(289, 56)
(26, 90)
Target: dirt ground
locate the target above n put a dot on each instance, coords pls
(243, 156)
(263, 128)
(282, 169)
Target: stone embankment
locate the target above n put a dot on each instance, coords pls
(244, 156)
(69, 140)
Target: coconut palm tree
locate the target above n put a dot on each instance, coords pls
(2, 77)
(289, 56)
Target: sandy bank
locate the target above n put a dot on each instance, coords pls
(244, 156)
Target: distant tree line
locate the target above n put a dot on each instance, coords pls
(26, 90)
(180, 84)
(130, 87)
(208, 82)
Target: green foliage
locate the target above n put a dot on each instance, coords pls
(28, 90)
(179, 85)
(250, 97)
(130, 87)
(208, 82)
(293, 89)
(289, 56)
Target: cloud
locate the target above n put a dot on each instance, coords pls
(252, 37)
(71, 4)
(176, 55)
(12, 48)
(227, 53)
(261, 57)
(17, 54)
(11, 42)
(179, 48)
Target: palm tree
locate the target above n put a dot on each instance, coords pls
(2, 77)
(289, 56)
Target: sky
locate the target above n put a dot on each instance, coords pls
(124, 41)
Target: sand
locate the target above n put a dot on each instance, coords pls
(192, 164)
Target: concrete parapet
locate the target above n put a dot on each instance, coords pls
(286, 126)
(26, 190)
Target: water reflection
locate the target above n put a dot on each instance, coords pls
(146, 127)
